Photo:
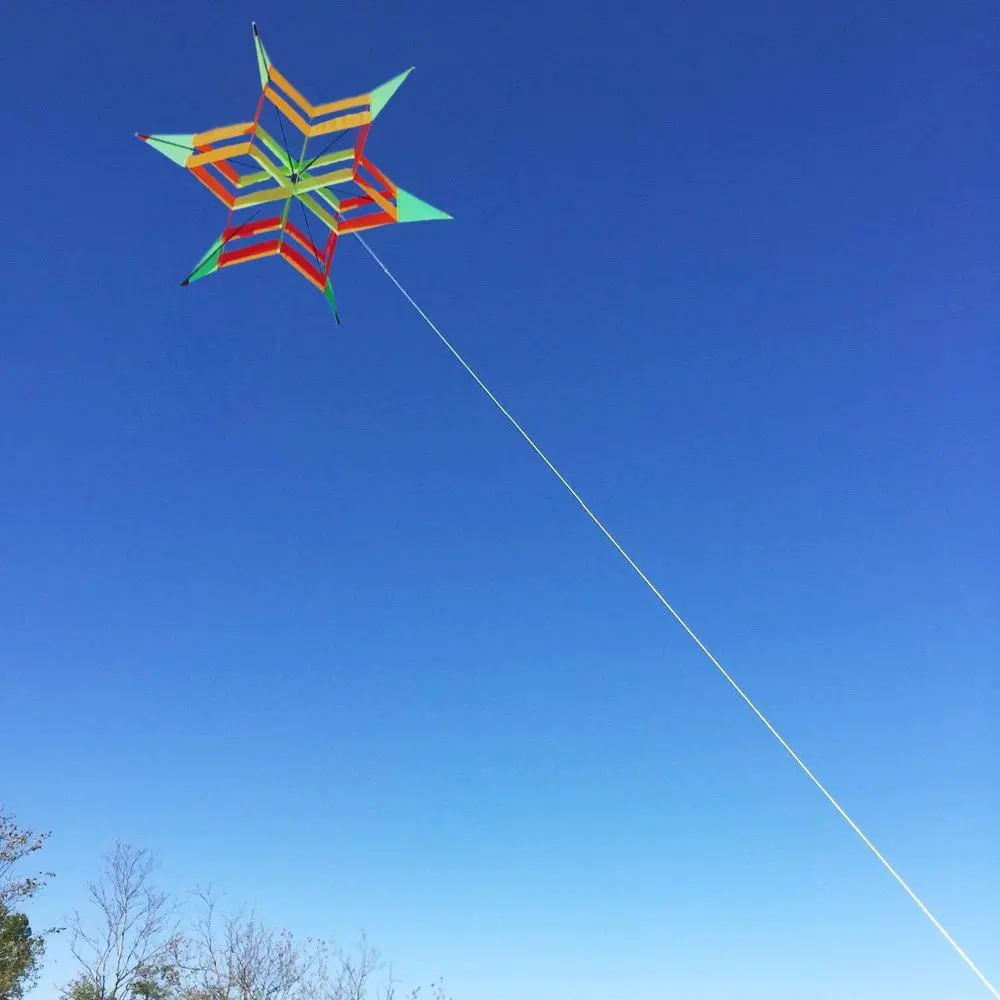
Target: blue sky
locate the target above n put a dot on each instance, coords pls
(292, 605)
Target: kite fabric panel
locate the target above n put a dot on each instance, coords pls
(256, 175)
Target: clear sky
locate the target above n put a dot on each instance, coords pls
(291, 604)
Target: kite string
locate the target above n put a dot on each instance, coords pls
(687, 628)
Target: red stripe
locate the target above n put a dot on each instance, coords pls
(305, 241)
(256, 122)
(331, 245)
(228, 171)
(359, 141)
(287, 250)
(248, 253)
(256, 116)
(355, 202)
(221, 165)
(366, 222)
(250, 228)
(379, 176)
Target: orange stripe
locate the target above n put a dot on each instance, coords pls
(341, 105)
(343, 122)
(214, 186)
(384, 203)
(315, 110)
(224, 132)
(282, 82)
(290, 113)
(224, 168)
(214, 155)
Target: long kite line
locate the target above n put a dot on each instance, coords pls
(687, 628)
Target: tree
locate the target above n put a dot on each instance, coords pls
(135, 950)
(241, 959)
(20, 950)
(131, 950)
(20, 953)
(15, 845)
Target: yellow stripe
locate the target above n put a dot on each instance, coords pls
(330, 198)
(248, 179)
(271, 145)
(343, 122)
(261, 197)
(336, 157)
(223, 132)
(331, 222)
(275, 174)
(317, 181)
(213, 156)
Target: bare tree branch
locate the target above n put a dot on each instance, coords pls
(244, 960)
(129, 948)
(134, 950)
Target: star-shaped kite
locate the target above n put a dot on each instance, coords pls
(247, 168)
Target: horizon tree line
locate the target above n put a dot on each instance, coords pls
(134, 941)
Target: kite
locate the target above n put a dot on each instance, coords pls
(250, 171)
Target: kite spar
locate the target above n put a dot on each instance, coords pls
(252, 173)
